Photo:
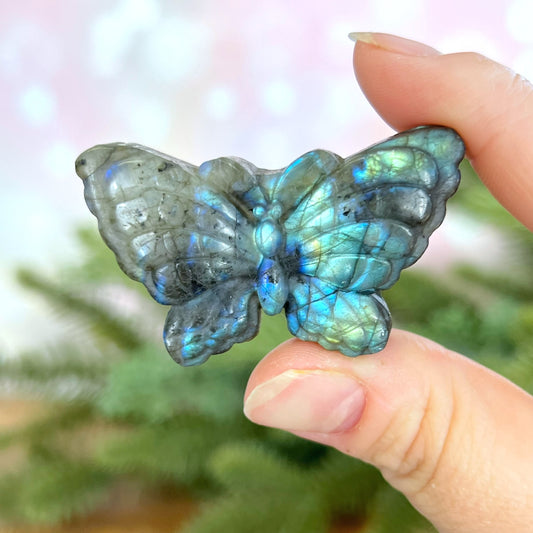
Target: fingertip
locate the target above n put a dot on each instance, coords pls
(291, 354)
(295, 354)
(490, 106)
(393, 43)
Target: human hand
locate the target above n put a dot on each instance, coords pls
(453, 436)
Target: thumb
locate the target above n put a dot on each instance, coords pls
(453, 436)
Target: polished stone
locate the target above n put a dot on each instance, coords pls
(320, 238)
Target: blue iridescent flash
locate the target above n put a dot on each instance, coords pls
(321, 238)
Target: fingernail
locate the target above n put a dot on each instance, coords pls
(393, 43)
(307, 400)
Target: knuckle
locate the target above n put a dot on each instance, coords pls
(411, 452)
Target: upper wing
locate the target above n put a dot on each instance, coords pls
(166, 221)
(180, 231)
(291, 185)
(372, 216)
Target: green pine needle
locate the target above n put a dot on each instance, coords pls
(103, 323)
(52, 491)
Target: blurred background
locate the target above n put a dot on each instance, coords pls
(263, 81)
(100, 431)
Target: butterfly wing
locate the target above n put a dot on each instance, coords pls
(348, 321)
(351, 235)
(212, 322)
(181, 233)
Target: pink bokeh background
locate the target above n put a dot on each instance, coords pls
(198, 79)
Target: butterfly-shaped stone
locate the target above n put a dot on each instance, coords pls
(320, 238)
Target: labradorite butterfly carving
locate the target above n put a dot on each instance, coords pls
(320, 238)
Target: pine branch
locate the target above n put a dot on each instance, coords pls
(250, 468)
(240, 514)
(499, 282)
(417, 295)
(301, 452)
(178, 451)
(264, 494)
(103, 323)
(61, 418)
(519, 368)
(347, 485)
(149, 387)
(62, 361)
(52, 491)
(392, 512)
(99, 264)
(58, 372)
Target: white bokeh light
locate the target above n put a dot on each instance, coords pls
(340, 105)
(469, 40)
(338, 47)
(149, 121)
(37, 105)
(278, 97)
(114, 32)
(518, 18)
(272, 147)
(220, 103)
(178, 50)
(397, 14)
(18, 43)
(58, 159)
(523, 63)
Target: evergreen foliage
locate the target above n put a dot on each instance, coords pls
(120, 411)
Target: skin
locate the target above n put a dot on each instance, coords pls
(453, 436)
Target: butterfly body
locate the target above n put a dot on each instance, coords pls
(320, 238)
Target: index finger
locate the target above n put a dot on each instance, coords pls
(490, 106)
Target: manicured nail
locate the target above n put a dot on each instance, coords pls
(393, 43)
(307, 400)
